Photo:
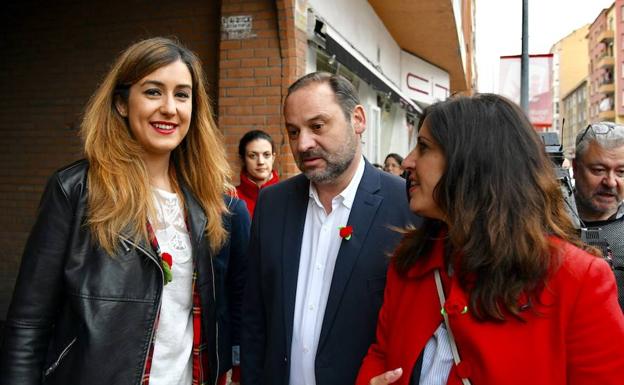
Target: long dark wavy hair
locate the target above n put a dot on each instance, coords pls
(501, 200)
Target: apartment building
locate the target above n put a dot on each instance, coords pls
(570, 73)
(602, 69)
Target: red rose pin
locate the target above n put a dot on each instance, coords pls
(454, 308)
(167, 263)
(345, 232)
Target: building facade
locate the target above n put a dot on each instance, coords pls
(602, 69)
(617, 13)
(575, 112)
(599, 47)
(570, 73)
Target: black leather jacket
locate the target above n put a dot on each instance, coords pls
(81, 316)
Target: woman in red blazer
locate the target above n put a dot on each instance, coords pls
(525, 302)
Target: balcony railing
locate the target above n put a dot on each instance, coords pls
(608, 115)
(606, 88)
(606, 36)
(605, 62)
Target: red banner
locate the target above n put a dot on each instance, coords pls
(540, 86)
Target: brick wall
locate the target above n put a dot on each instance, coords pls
(53, 56)
(255, 71)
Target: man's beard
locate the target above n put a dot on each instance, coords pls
(336, 164)
(588, 202)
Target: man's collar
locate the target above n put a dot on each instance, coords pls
(348, 194)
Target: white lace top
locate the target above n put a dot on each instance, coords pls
(172, 362)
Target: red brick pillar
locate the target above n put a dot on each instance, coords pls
(293, 46)
(261, 53)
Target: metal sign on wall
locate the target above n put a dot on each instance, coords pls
(422, 81)
(237, 27)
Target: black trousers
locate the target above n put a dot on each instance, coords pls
(415, 378)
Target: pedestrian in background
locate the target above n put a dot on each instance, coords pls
(392, 164)
(256, 151)
(495, 287)
(133, 271)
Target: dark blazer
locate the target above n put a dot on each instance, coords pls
(357, 286)
(82, 316)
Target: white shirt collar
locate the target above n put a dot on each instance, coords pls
(347, 196)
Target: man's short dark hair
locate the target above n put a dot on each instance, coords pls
(346, 94)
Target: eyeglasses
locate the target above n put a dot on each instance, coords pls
(597, 128)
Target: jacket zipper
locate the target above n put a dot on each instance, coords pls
(162, 276)
(214, 297)
(56, 363)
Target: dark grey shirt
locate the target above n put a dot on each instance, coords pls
(613, 232)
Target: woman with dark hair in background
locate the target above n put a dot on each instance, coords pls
(392, 164)
(257, 154)
(495, 287)
(133, 272)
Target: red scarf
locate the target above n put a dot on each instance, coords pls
(248, 190)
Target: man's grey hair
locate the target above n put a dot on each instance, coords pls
(346, 94)
(612, 138)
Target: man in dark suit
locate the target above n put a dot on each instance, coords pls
(319, 246)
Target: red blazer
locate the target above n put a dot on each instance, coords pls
(248, 191)
(577, 339)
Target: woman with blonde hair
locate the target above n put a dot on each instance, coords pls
(133, 272)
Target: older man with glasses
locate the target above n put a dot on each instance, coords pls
(599, 175)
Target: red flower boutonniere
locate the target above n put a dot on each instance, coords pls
(346, 232)
(167, 263)
(454, 308)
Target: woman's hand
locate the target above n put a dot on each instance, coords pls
(388, 377)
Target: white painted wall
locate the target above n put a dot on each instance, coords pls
(422, 81)
(357, 22)
(371, 139)
(399, 138)
(311, 59)
(395, 134)
(389, 134)
(457, 13)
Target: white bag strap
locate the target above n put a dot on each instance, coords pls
(449, 332)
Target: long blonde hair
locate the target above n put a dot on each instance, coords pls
(119, 194)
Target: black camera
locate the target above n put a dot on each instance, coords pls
(554, 150)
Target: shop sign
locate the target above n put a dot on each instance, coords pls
(237, 27)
